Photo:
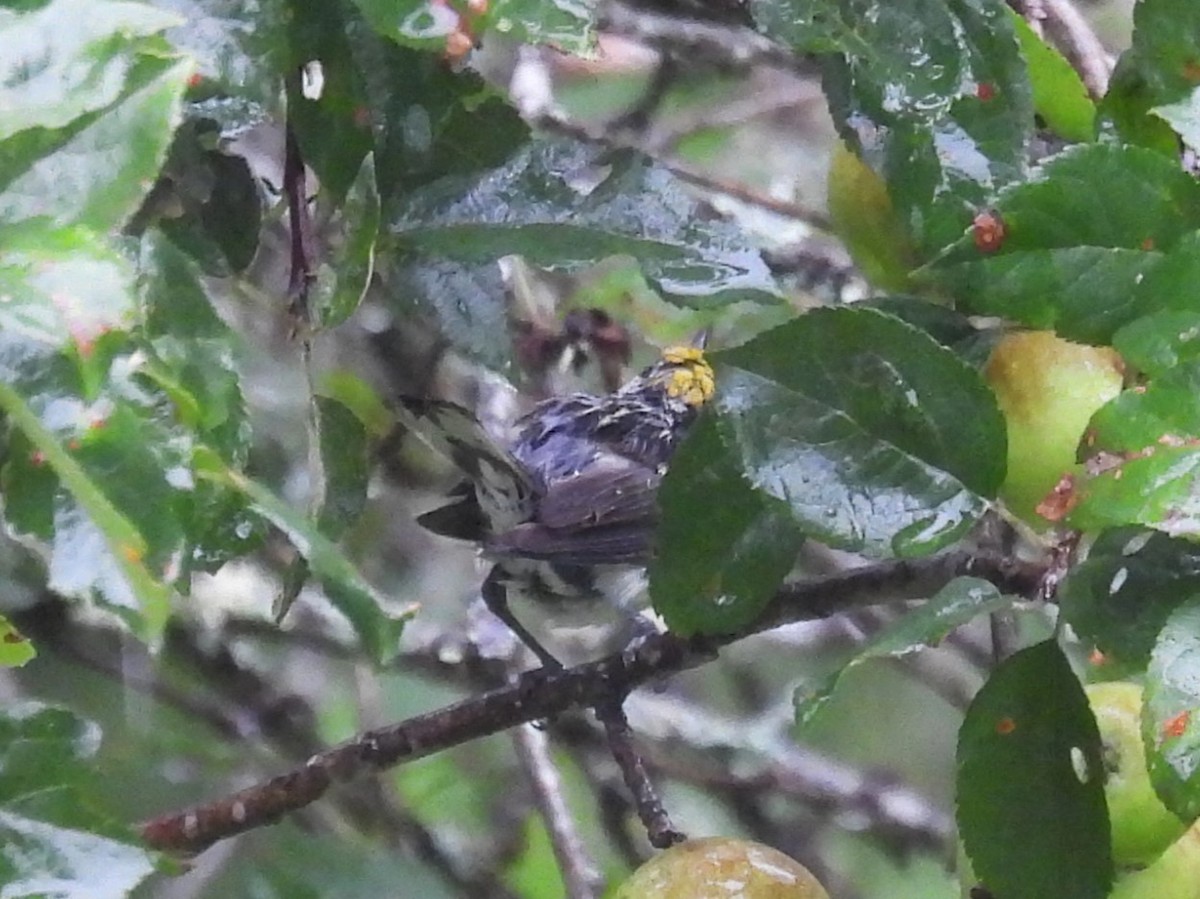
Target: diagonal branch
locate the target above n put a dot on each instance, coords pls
(545, 694)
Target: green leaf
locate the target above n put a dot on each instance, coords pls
(62, 286)
(54, 838)
(1159, 490)
(1030, 785)
(344, 466)
(1059, 94)
(1158, 343)
(960, 601)
(554, 204)
(713, 573)
(1082, 244)
(99, 176)
(425, 24)
(334, 128)
(15, 648)
(934, 91)
(368, 612)
(1165, 412)
(1169, 723)
(345, 273)
(1158, 72)
(1183, 117)
(844, 484)
(105, 549)
(893, 381)
(68, 58)
(1121, 596)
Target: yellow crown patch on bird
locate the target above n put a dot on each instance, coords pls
(693, 380)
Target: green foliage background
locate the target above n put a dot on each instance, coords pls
(140, 218)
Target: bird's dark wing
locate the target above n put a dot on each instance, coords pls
(461, 519)
(503, 486)
(603, 516)
(613, 545)
(612, 491)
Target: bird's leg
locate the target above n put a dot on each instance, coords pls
(495, 597)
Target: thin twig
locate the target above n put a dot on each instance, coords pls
(659, 829)
(581, 877)
(1068, 30)
(544, 694)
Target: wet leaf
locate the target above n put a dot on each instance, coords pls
(1121, 596)
(55, 841)
(1159, 490)
(960, 601)
(1170, 727)
(722, 548)
(377, 625)
(1030, 788)
(935, 93)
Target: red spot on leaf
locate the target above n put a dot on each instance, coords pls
(1176, 725)
(1097, 658)
(985, 91)
(1057, 504)
(1191, 71)
(987, 230)
(1005, 726)
(73, 444)
(195, 79)
(477, 7)
(1147, 244)
(98, 424)
(362, 117)
(37, 458)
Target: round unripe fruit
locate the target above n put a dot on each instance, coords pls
(1142, 827)
(863, 217)
(1048, 388)
(721, 868)
(1174, 875)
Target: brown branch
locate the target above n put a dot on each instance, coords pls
(545, 694)
(581, 877)
(659, 829)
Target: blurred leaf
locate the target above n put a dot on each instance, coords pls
(558, 205)
(98, 176)
(360, 398)
(960, 601)
(63, 286)
(427, 120)
(722, 548)
(239, 46)
(893, 381)
(67, 58)
(1030, 786)
(1157, 343)
(220, 206)
(344, 465)
(345, 273)
(1160, 69)
(1170, 727)
(53, 840)
(425, 23)
(1165, 412)
(934, 92)
(368, 613)
(1059, 94)
(334, 128)
(1082, 243)
(1159, 490)
(15, 648)
(96, 546)
(1121, 596)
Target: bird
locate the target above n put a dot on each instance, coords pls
(565, 509)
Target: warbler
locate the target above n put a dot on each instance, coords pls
(566, 511)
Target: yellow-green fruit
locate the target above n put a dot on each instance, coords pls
(1142, 827)
(1174, 875)
(1048, 388)
(863, 217)
(721, 868)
